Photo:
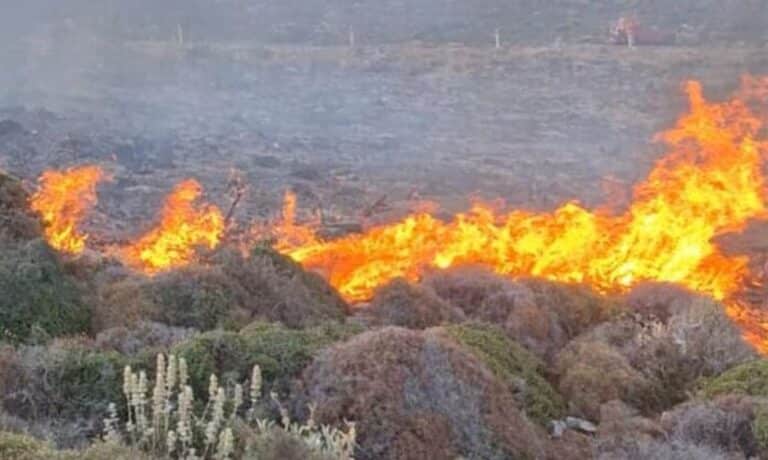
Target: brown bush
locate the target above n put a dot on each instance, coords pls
(695, 340)
(662, 450)
(279, 289)
(488, 297)
(541, 315)
(706, 424)
(226, 291)
(416, 395)
(576, 306)
(400, 303)
(593, 372)
(141, 336)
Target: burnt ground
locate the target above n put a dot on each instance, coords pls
(349, 127)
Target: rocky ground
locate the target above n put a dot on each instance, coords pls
(345, 128)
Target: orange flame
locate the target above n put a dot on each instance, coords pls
(708, 182)
(62, 201)
(183, 227)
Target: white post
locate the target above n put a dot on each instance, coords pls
(497, 35)
(351, 38)
(180, 34)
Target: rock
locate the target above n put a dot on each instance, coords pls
(557, 428)
(580, 424)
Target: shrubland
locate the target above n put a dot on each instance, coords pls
(463, 364)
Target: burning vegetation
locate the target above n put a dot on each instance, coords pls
(709, 182)
(62, 201)
(184, 225)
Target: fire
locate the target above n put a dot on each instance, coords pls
(290, 234)
(709, 182)
(183, 227)
(62, 201)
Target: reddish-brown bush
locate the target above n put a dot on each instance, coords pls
(400, 303)
(416, 395)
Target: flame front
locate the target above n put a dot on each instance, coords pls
(63, 199)
(709, 182)
(182, 228)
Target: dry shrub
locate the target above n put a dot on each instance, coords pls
(707, 424)
(620, 423)
(469, 288)
(662, 450)
(670, 340)
(485, 296)
(392, 380)
(140, 337)
(593, 372)
(17, 221)
(278, 444)
(226, 290)
(695, 340)
(577, 306)
(400, 303)
(279, 289)
(541, 315)
(66, 388)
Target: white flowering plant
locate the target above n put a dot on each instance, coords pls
(164, 421)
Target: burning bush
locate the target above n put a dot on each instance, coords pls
(417, 394)
(38, 299)
(400, 303)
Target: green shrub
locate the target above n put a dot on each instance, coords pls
(67, 383)
(195, 296)
(20, 447)
(760, 428)
(510, 362)
(746, 379)
(17, 222)
(38, 300)
(280, 352)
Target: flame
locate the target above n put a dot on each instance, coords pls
(709, 182)
(182, 228)
(62, 201)
(290, 234)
